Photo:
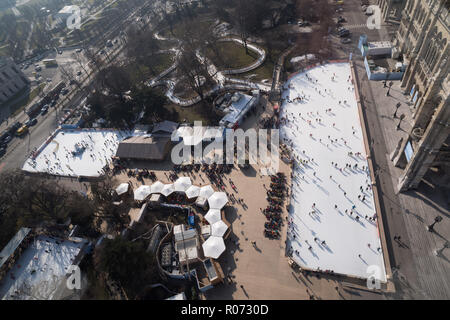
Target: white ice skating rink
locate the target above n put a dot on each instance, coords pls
(351, 245)
(40, 271)
(57, 158)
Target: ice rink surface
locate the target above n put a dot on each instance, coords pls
(40, 270)
(77, 153)
(332, 215)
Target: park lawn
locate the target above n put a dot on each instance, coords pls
(265, 71)
(4, 50)
(233, 56)
(190, 114)
(141, 72)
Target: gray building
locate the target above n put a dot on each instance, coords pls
(12, 79)
(423, 40)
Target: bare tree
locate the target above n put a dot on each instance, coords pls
(79, 60)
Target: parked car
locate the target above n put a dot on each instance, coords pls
(79, 73)
(342, 30)
(369, 11)
(44, 109)
(346, 40)
(344, 34)
(79, 50)
(31, 122)
(2, 152)
(341, 19)
(7, 139)
(64, 91)
(364, 8)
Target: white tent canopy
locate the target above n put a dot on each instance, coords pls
(122, 188)
(192, 192)
(213, 216)
(182, 184)
(206, 192)
(218, 228)
(142, 192)
(168, 189)
(218, 200)
(213, 247)
(157, 187)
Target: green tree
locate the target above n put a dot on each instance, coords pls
(128, 263)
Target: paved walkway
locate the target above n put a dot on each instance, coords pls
(418, 273)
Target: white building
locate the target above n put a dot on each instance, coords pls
(12, 79)
(237, 110)
(65, 13)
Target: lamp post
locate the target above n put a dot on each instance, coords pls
(389, 89)
(438, 252)
(396, 109)
(402, 116)
(436, 220)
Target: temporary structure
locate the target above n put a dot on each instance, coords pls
(206, 192)
(192, 192)
(213, 247)
(141, 193)
(218, 200)
(201, 202)
(157, 187)
(122, 188)
(213, 216)
(182, 184)
(218, 228)
(168, 189)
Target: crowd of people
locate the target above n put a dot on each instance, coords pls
(275, 197)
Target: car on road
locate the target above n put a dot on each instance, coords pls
(59, 52)
(7, 139)
(346, 40)
(21, 131)
(31, 122)
(2, 152)
(44, 109)
(14, 127)
(3, 136)
(344, 34)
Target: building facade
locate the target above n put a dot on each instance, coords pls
(12, 79)
(423, 40)
(391, 9)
